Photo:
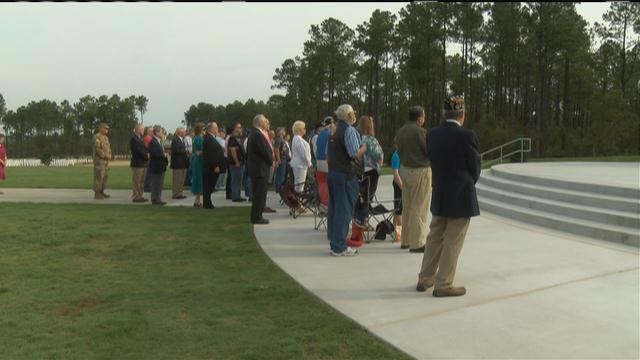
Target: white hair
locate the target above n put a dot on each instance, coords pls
(211, 125)
(257, 119)
(179, 129)
(342, 112)
(297, 127)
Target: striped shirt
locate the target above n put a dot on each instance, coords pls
(352, 141)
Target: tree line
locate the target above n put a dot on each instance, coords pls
(526, 69)
(46, 128)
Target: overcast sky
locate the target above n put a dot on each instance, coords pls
(175, 54)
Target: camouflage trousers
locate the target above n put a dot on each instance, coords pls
(100, 175)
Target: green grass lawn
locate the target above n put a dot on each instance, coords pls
(69, 177)
(115, 282)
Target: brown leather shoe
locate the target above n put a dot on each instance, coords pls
(450, 291)
(106, 196)
(422, 286)
(140, 200)
(99, 197)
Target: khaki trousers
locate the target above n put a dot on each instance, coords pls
(138, 182)
(178, 181)
(416, 195)
(446, 237)
(100, 175)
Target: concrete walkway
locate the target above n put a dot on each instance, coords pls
(85, 196)
(532, 293)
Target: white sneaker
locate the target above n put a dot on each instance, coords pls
(348, 252)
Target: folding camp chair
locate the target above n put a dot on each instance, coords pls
(321, 202)
(379, 213)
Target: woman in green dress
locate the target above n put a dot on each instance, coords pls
(196, 165)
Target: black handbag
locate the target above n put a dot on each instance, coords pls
(383, 229)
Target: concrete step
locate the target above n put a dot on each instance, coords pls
(582, 198)
(625, 192)
(589, 213)
(567, 224)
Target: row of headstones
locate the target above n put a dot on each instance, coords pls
(56, 162)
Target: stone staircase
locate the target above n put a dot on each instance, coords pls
(597, 211)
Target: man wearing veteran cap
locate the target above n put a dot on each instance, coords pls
(455, 164)
(101, 157)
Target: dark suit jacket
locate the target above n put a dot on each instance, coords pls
(212, 155)
(455, 166)
(158, 160)
(139, 152)
(179, 158)
(259, 155)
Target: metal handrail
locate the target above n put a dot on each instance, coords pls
(521, 151)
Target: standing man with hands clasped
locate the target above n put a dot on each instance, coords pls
(139, 157)
(157, 165)
(259, 163)
(101, 158)
(212, 164)
(179, 163)
(455, 163)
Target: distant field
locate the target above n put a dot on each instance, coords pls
(70, 177)
(81, 176)
(621, 158)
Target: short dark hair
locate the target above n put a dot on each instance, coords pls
(415, 112)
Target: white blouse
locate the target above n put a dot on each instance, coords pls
(300, 153)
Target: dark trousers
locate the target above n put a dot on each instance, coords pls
(187, 179)
(147, 181)
(259, 198)
(157, 182)
(368, 188)
(397, 198)
(208, 186)
(227, 185)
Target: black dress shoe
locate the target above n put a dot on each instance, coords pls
(239, 200)
(209, 207)
(261, 222)
(404, 247)
(161, 203)
(418, 250)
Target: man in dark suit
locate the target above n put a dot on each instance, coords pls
(157, 165)
(259, 162)
(139, 157)
(179, 163)
(212, 163)
(455, 165)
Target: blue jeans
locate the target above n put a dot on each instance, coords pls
(280, 173)
(236, 181)
(342, 201)
(220, 183)
(246, 182)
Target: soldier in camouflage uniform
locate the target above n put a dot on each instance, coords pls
(101, 157)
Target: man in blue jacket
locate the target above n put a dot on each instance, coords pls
(455, 166)
(157, 165)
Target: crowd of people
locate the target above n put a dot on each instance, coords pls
(435, 169)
